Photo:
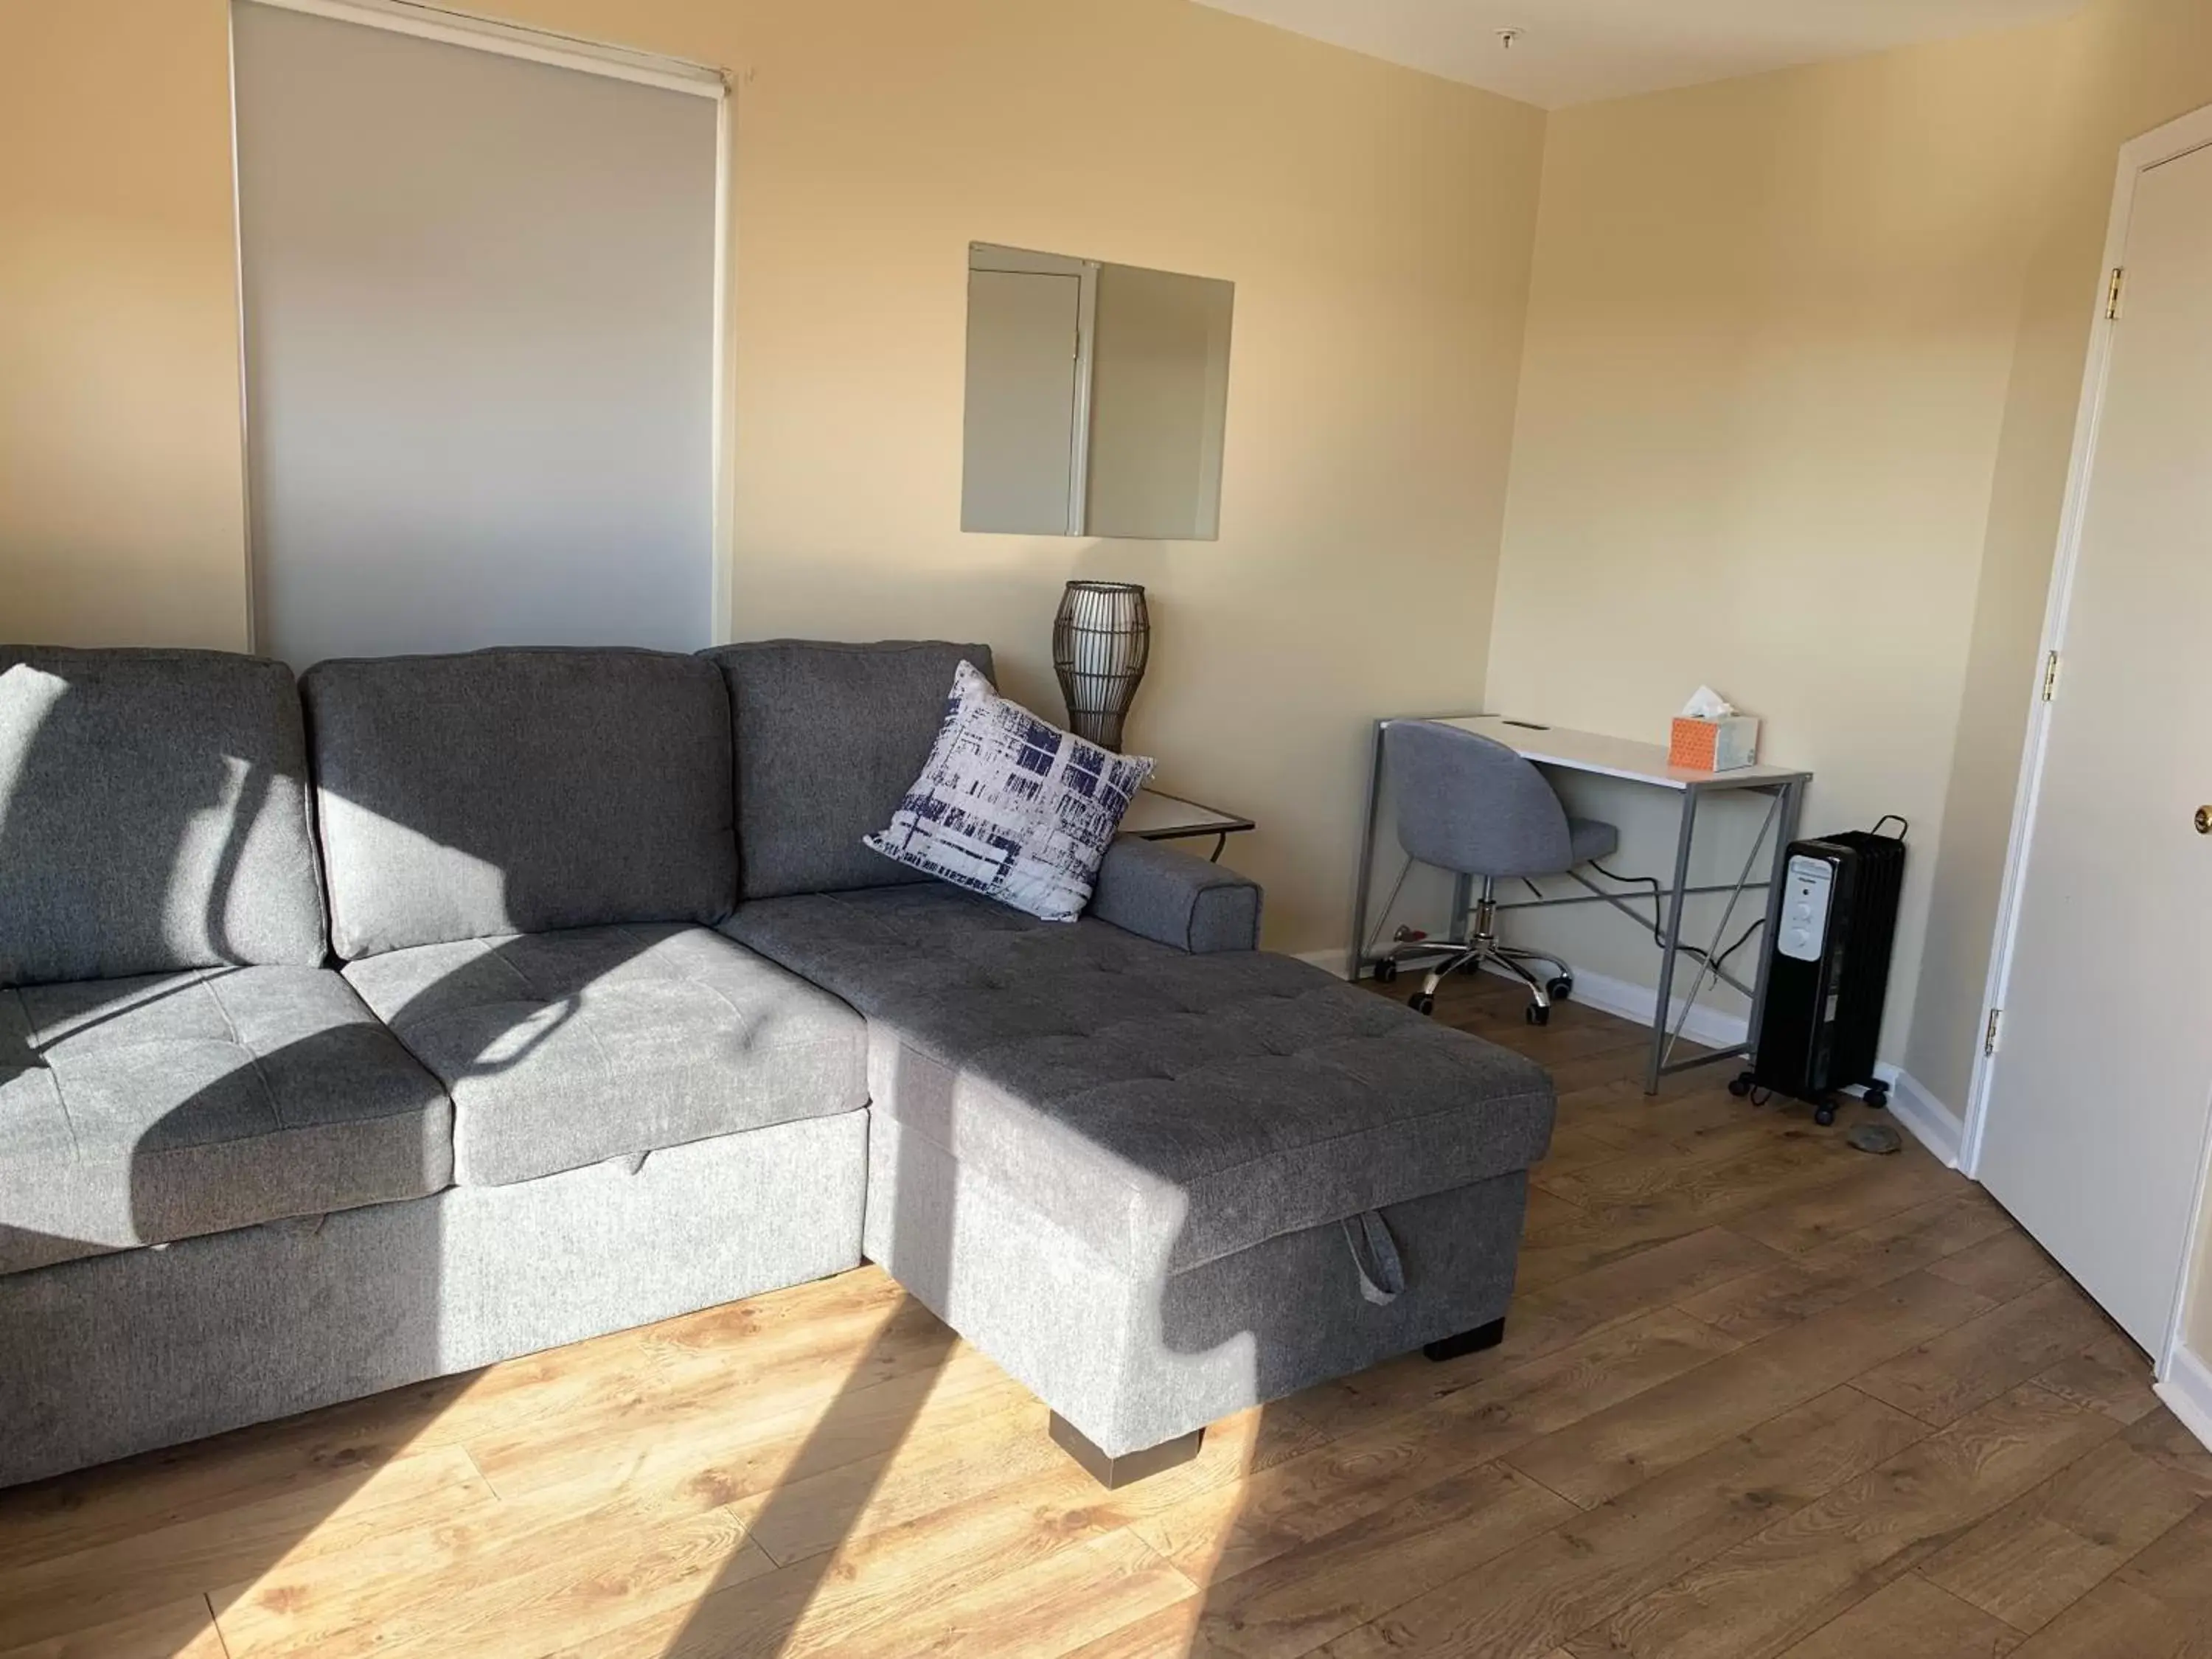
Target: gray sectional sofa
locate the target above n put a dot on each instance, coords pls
(439, 1010)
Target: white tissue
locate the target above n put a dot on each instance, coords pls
(1707, 705)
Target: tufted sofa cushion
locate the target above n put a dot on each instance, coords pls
(564, 1049)
(1168, 1108)
(142, 1110)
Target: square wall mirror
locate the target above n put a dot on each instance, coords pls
(1097, 397)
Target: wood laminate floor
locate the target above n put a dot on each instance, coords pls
(1760, 1395)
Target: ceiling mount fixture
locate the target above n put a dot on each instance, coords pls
(1507, 37)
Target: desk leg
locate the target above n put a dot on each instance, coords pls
(1785, 831)
(1664, 1000)
(1355, 957)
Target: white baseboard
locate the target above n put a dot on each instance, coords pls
(1708, 1026)
(1632, 1001)
(2186, 1388)
(1923, 1116)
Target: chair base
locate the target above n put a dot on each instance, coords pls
(1481, 949)
(1115, 1472)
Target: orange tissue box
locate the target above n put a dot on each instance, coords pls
(1713, 745)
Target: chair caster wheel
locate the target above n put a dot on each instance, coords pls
(1420, 1003)
(1386, 972)
(1877, 1095)
(1824, 1113)
(1740, 1085)
(1536, 1014)
(1560, 989)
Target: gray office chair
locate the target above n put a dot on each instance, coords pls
(1471, 806)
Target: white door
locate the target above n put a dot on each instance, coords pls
(1024, 335)
(2099, 1093)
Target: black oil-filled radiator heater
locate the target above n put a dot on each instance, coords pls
(1828, 969)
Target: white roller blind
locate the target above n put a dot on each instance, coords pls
(479, 309)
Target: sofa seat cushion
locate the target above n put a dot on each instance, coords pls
(1168, 1108)
(139, 1111)
(566, 1049)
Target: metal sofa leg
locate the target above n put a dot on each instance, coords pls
(1113, 1471)
(1468, 1342)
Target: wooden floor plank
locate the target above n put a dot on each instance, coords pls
(1942, 1378)
(1798, 1287)
(183, 1629)
(1910, 1618)
(2158, 1607)
(520, 1578)
(1227, 1531)
(1872, 1190)
(1043, 1603)
(285, 1530)
(2006, 1266)
(2046, 1549)
(1784, 1583)
(1352, 1574)
(2111, 1375)
(1535, 1597)
(1613, 1451)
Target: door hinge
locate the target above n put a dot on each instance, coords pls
(1990, 1036)
(2113, 295)
(2050, 677)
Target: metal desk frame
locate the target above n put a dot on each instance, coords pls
(1785, 792)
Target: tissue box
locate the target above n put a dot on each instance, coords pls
(1721, 745)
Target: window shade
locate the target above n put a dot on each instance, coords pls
(479, 312)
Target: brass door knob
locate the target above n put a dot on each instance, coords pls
(2204, 820)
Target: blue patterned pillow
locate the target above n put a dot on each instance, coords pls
(1010, 806)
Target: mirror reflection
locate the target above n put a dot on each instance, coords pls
(1097, 398)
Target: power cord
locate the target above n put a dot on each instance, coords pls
(1659, 937)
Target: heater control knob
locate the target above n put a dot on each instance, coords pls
(2204, 820)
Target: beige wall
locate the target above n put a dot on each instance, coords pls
(122, 510)
(1811, 344)
(2124, 67)
(1376, 222)
(1768, 342)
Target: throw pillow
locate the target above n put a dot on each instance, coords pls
(1011, 806)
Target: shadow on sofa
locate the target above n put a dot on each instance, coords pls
(1018, 1071)
(178, 1061)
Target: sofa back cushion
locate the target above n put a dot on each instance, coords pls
(153, 815)
(829, 738)
(517, 791)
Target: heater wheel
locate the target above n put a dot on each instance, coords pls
(1877, 1095)
(1421, 1004)
(1824, 1113)
(1740, 1085)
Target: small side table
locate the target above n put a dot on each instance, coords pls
(1156, 815)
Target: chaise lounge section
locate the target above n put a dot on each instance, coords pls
(440, 1010)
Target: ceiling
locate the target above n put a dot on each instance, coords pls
(1574, 52)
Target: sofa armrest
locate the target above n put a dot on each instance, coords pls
(1175, 899)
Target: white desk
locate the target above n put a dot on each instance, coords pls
(1641, 763)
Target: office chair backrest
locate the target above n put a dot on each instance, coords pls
(1469, 804)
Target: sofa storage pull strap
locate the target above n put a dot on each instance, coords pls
(1375, 1253)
